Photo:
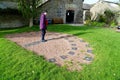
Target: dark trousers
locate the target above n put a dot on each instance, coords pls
(43, 32)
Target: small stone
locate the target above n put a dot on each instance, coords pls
(71, 53)
(63, 57)
(74, 48)
(88, 58)
(27, 45)
(82, 41)
(89, 51)
(52, 60)
(87, 45)
(73, 44)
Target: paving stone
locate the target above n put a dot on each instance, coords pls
(73, 44)
(71, 53)
(63, 56)
(89, 51)
(52, 60)
(27, 45)
(82, 41)
(88, 58)
(74, 48)
(87, 45)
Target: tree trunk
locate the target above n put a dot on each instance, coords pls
(31, 22)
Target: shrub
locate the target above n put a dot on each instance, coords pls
(94, 23)
(113, 24)
(109, 19)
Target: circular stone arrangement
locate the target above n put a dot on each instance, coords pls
(62, 49)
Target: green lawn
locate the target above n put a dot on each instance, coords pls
(16, 63)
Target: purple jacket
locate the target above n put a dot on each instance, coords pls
(43, 21)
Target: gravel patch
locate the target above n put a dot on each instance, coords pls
(62, 49)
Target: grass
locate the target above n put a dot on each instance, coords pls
(16, 63)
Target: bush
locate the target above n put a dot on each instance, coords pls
(113, 24)
(102, 18)
(109, 19)
(94, 23)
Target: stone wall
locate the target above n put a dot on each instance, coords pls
(12, 21)
(78, 11)
(9, 15)
(54, 9)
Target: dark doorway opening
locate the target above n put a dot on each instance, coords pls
(69, 16)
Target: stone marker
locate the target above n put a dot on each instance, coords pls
(71, 53)
(52, 60)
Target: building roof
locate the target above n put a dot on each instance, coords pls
(13, 5)
(42, 3)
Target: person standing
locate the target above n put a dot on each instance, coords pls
(43, 26)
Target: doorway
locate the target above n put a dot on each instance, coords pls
(69, 16)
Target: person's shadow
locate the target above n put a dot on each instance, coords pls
(61, 37)
(38, 42)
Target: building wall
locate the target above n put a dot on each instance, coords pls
(10, 16)
(12, 21)
(58, 8)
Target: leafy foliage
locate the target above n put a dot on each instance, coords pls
(107, 20)
(28, 7)
(95, 23)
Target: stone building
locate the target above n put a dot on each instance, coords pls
(59, 11)
(64, 11)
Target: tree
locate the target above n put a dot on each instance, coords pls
(29, 9)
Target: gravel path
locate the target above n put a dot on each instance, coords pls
(61, 49)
